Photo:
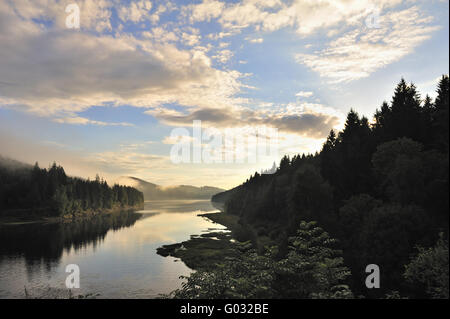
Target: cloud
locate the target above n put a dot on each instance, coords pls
(304, 94)
(304, 16)
(51, 71)
(223, 56)
(308, 120)
(223, 34)
(191, 38)
(160, 35)
(84, 121)
(58, 72)
(209, 116)
(171, 140)
(95, 15)
(308, 124)
(136, 11)
(205, 11)
(362, 51)
(257, 40)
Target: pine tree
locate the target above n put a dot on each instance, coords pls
(284, 163)
(441, 118)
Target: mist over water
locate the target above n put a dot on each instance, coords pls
(116, 254)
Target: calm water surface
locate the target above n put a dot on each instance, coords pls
(116, 254)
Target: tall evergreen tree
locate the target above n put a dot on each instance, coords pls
(441, 118)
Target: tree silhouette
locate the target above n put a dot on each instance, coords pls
(380, 188)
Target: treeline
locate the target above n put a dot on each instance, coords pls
(380, 187)
(50, 192)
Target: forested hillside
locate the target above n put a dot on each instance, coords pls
(157, 192)
(380, 187)
(28, 190)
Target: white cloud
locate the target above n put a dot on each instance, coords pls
(223, 56)
(220, 35)
(305, 16)
(362, 51)
(205, 11)
(160, 34)
(304, 94)
(303, 119)
(171, 140)
(162, 8)
(75, 70)
(256, 40)
(136, 11)
(190, 39)
(85, 121)
(95, 15)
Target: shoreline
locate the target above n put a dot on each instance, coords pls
(206, 250)
(9, 218)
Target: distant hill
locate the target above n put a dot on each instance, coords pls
(153, 191)
(12, 164)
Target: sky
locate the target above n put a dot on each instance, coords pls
(123, 92)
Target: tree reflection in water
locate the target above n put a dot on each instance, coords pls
(44, 244)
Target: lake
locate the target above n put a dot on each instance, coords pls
(116, 254)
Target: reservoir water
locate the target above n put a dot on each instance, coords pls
(116, 254)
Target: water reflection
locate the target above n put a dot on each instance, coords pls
(179, 206)
(116, 254)
(44, 243)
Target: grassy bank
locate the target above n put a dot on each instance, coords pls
(201, 252)
(208, 250)
(240, 231)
